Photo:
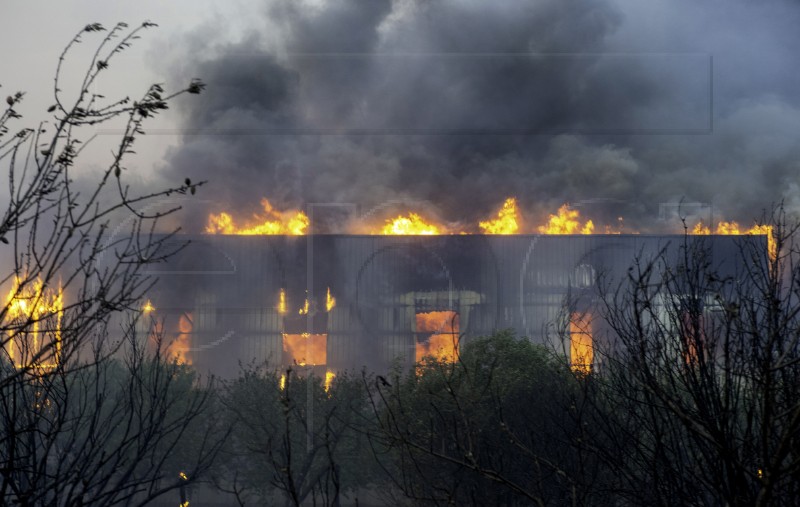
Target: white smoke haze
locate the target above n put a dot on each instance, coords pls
(463, 103)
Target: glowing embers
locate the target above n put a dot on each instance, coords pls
(566, 221)
(32, 324)
(410, 225)
(306, 349)
(269, 222)
(732, 229)
(437, 335)
(507, 221)
(581, 350)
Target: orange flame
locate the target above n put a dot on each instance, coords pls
(443, 340)
(178, 349)
(329, 376)
(37, 311)
(507, 221)
(580, 345)
(306, 348)
(271, 222)
(282, 302)
(566, 221)
(733, 229)
(330, 301)
(411, 225)
(304, 309)
(148, 307)
(700, 229)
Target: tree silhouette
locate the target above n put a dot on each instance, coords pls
(91, 410)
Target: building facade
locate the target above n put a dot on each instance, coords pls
(336, 302)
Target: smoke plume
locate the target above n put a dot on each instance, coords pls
(611, 105)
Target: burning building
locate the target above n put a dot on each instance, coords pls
(335, 302)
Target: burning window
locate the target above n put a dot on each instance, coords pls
(437, 335)
(175, 343)
(305, 348)
(580, 347)
(691, 328)
(179, 347)
(33, 324)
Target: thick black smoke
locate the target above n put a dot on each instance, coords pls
(463, 103)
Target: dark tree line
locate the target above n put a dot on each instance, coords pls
(702, 379)
(693, 397)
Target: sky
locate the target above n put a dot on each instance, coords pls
(619, 107)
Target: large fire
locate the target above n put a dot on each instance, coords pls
(507, 221)
(442, 342)
(580, 342)
(566, 221)
(269, 222)
(306, 349)
(733, 229)
(410, 225)
(33, 324)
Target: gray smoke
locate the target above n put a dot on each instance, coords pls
(463, 103)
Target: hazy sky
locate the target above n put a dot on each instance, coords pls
(457, 104)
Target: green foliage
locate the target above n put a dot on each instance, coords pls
(493, 428)
(294, 442)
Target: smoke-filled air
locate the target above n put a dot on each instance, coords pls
(445, 109)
